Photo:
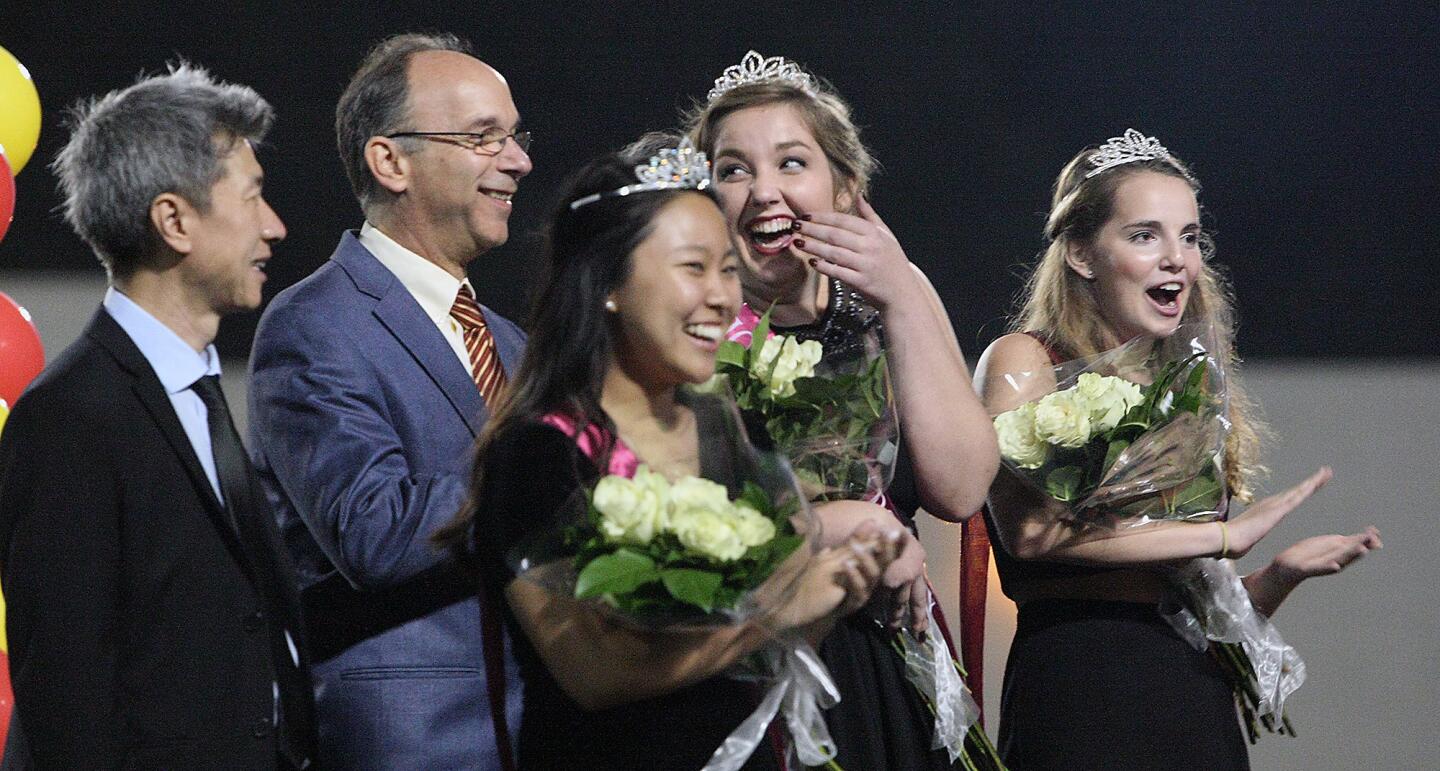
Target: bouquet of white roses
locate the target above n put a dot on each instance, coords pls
(1134, 435)
(658, 549)
(833, 418)
(673, 555)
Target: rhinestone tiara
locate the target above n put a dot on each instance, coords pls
(1129, 148)
(677, 168)
(754, 68)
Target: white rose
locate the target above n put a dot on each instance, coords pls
(1108, 398)
(707, 531)
(631, 510)
(697, 493)
(782, 360)
(1018, 441)
(1062, 419)
(753, 528)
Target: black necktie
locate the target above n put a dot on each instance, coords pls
(250, 517)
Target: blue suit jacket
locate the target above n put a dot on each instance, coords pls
(362, 421)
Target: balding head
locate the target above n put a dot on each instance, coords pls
(376, 102)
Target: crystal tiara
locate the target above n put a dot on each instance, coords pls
(678, 168)
(1129, 148)
(754, 68)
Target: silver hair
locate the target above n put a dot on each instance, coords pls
(376, 102)
(166, 133)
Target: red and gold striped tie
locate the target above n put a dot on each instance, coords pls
(480, 344)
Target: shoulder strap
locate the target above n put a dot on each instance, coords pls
(1055, 356)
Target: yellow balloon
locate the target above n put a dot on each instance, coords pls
(19, 112)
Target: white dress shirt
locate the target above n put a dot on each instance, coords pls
(431, 285)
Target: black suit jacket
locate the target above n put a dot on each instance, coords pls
(142, 632)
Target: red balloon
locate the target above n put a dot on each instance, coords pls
(7, 195)
(21, 355)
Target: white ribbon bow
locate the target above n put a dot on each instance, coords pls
(802, 688)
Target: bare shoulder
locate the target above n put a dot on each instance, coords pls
(1017, 359)
(1014, 352)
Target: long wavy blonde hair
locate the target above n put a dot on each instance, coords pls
(1060, 306)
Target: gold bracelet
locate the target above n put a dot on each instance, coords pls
(1224, 541)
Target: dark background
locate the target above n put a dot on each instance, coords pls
(1312, 127)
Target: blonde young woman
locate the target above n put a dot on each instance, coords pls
(791, 176)
(1095, 675)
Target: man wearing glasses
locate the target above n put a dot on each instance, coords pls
(370, 380)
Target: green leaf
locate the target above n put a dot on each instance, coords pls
(618, 573)
(1202, 494)
(762, 330)
(730, 352)
(696, 587)
(754, 495)
(1063, 484)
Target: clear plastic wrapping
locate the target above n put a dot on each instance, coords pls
(831, 413)
(1130, 436)
(1212, 609)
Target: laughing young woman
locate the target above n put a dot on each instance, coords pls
(1096, 677)
(791, 175)
(642, 284)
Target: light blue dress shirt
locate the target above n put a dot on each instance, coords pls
(178, 366)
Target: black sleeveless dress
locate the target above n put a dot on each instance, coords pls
(1094, 684)
(881, 721)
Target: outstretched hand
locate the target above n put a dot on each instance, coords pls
(1324, 555)
(1318, 556)
(1259, 519)
(860, 251)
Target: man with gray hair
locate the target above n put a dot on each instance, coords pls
(152, 616)
(370, 380)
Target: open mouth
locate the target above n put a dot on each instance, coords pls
(771, 235)
(259, 265)
(1166, 297)
(499, 195)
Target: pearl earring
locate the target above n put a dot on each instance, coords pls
(611, 306)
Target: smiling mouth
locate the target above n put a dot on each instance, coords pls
(771, 235)
(499, 195)
(709, 334)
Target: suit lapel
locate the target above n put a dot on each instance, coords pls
(151, 394)
(399, 313)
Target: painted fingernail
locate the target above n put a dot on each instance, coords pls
(805, 217)
(794, 224)
(800, 242)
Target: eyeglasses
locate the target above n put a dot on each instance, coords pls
(489, 142)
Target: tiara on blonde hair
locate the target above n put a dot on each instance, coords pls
(1129, 148)
(754, 68)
